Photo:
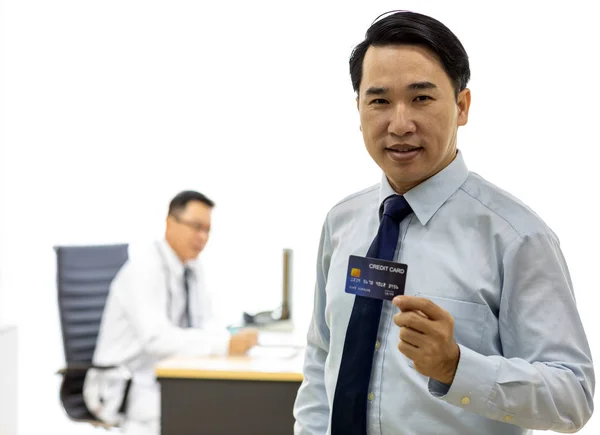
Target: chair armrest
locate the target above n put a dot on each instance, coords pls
(83, 367)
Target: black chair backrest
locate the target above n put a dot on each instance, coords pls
(84, 275)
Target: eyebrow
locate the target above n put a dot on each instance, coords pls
(421, 86)
(417, 86)
(373, 90)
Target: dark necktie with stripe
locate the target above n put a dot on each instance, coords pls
(349, 412)
(186, 320)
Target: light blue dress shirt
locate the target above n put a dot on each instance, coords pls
(494, 265)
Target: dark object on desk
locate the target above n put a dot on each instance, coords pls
(262, 318)
(84, 274)
(284, 311)
(227, 407)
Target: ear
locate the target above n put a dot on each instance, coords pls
(463, 102)
(169, 222)
(358, 108)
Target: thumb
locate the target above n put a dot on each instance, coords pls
(397, 301)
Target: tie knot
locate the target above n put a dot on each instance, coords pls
(396, 207)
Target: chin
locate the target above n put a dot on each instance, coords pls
(406, 180)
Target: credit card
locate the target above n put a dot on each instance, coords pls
(374, 278)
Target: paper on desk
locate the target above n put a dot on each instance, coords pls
(274, 352)
(280, 339)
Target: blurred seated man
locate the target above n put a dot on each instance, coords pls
(157, 307)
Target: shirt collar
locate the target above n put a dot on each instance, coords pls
(426, 198)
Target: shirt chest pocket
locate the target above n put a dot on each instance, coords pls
(469, 320)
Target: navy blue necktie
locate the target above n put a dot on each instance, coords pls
(349, 413)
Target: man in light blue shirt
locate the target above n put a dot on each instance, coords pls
(487, 339)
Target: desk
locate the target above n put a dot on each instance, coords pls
(250, 395)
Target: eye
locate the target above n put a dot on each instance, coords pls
(379, 101)
(422, 98)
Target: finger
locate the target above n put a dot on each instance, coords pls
(396, 302)
(424, 305)
(410, 351)
(411, 336)
(414, 320)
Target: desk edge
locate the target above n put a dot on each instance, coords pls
(180, 373)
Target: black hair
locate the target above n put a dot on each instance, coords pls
(403, 27)
(181, 200)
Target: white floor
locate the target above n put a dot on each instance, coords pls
(70, 428)
(65, 426)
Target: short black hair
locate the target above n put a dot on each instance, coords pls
(411, 28)
(181, 200)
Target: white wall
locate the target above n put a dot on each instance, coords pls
(112, 107)
(8, 380)
(1, 159)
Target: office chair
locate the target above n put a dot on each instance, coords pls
(84, 274)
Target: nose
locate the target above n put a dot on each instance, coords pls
(401, 122)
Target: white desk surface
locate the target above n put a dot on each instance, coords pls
(279, 358)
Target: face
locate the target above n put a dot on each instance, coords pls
(409, 114)
(187, 232)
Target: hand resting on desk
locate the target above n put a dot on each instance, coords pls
(242, 341)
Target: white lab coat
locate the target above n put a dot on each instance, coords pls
(140, 326)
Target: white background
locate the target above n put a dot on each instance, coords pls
(109, 108)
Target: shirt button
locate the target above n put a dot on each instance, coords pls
(377, 344)
(465, 400)
(507, 417)
(371, 396)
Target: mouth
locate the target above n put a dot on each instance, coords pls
(403, 153)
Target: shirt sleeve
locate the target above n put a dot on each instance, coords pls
(545, 378)
(144, 298)
(205, 317)
(311, 409)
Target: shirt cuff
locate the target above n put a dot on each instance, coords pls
(221, 343)
(472, 385)
(437, 388)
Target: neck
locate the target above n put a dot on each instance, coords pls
(179, 257)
